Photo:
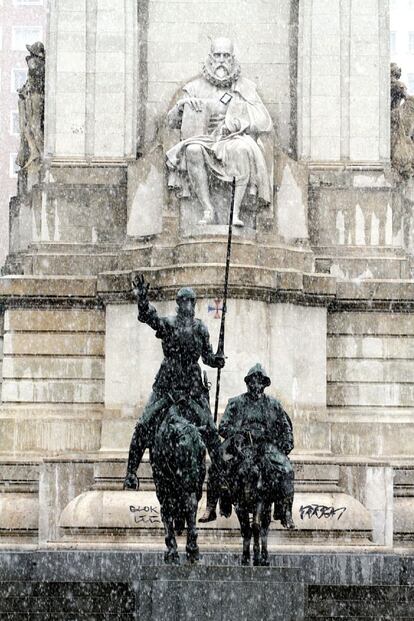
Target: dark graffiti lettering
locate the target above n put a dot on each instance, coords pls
(321, 511)
(146, 514)
(144, 509)
(146, 519)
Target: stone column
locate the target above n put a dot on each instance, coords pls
(343, 82)
(356, 222)
(91, 79)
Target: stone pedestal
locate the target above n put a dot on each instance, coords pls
(221, 593)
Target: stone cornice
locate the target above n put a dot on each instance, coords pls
(246, 282)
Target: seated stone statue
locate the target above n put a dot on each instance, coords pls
(221, 119)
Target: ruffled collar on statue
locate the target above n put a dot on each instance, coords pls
(226, 82)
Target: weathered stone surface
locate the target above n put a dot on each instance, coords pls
(38, 367)
(52, 391)
(365, 430)
(362, 394)
(111, 56)
(366, 370)
(67, 344)
(137, 514)
(48, 428)
(371, 323)
(19, 512)
(376, 290)
(56, 286)
(64, 600)
(330, 578)
(221, 593)
(336, 124)
(132, 353)
(54, 320)
(384, 347)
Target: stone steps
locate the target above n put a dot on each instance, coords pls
(381, 602)
(66, 601)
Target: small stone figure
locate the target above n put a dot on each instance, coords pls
(179, 394)
(402, 126)
(258, 438)
(221, 118)
(31, 108)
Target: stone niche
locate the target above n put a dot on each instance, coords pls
(266, 52)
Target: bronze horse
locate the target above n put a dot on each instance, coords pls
(255, 484)
(178, 465)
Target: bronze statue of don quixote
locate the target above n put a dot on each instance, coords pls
(250, 470)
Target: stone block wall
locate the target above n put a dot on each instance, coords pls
(1, 349)
(371, 360)
(370, 387)
(53, 357)
(358, 225)
(53, 379)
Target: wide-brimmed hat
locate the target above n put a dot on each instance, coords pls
(37, 49)
(258, 370)
(185, 293)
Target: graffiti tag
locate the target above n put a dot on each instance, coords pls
(321, 511)
(146, 514)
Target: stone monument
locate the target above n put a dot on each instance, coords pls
(320, 289)
(221, 120)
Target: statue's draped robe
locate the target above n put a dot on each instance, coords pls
(267, 424)
(222, 153)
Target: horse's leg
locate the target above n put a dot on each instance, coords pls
(266, 518)
(171, 556)
(192, 549)
(256, 533)
(246, 533)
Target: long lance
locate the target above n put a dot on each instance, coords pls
(220, 348)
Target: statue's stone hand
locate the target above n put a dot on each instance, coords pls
(140, 288)
(233, 125)
(194, 102)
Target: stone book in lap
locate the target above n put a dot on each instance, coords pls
(195, 123)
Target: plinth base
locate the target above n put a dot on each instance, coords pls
(132, 585)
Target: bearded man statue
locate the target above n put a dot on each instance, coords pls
(222, 119)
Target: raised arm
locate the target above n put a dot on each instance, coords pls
(146, 312)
